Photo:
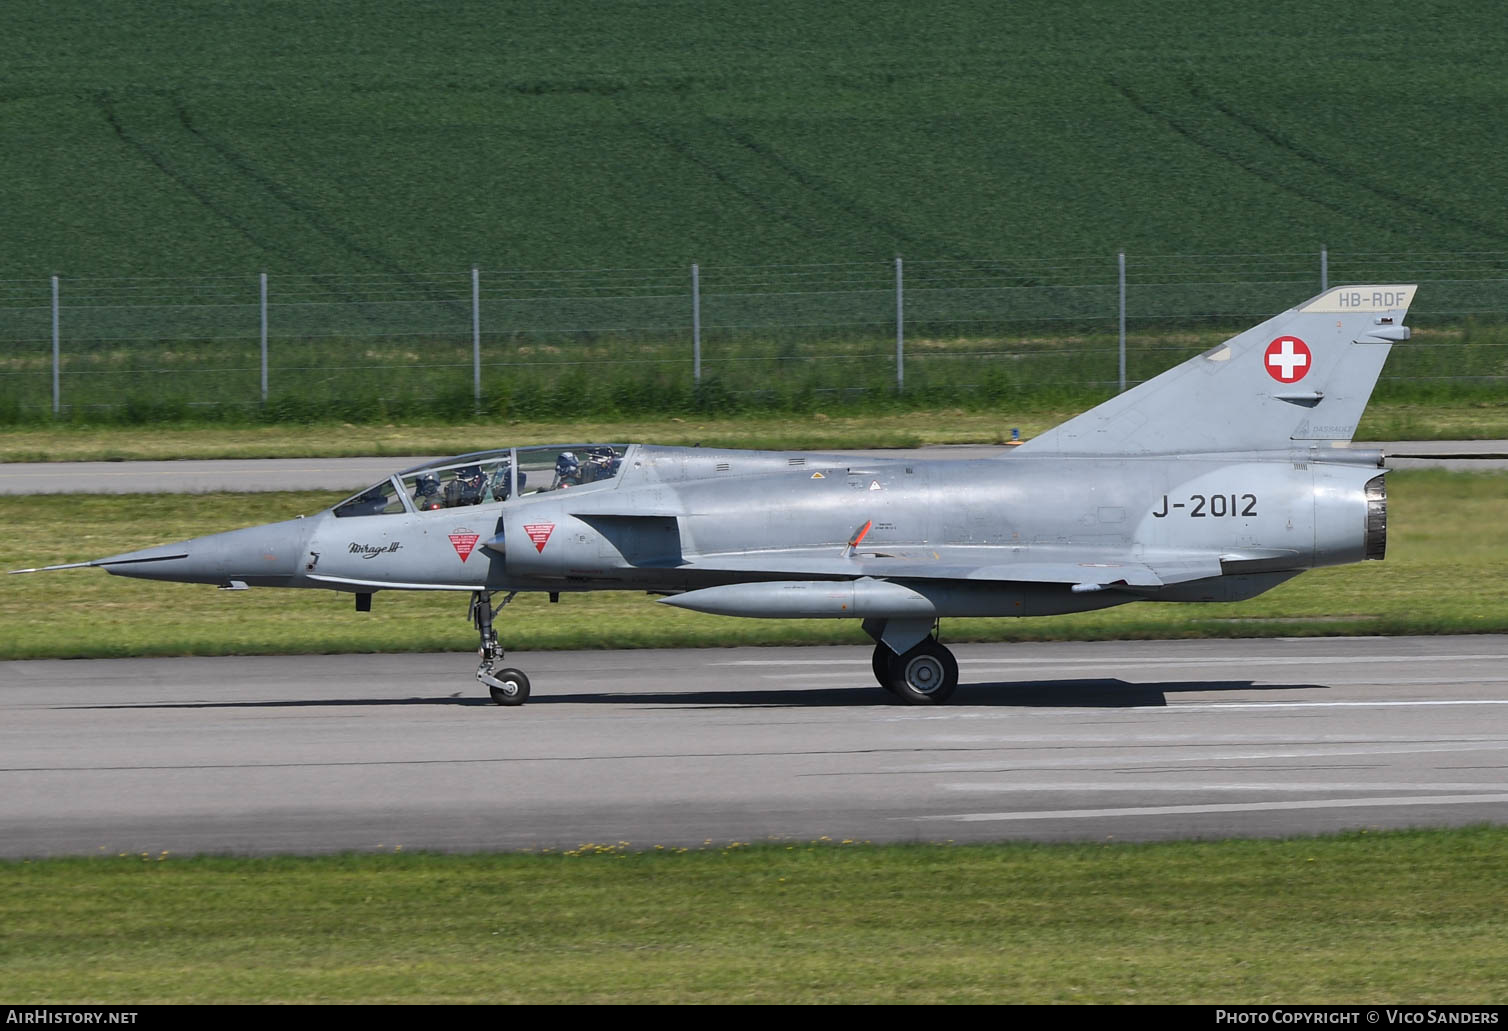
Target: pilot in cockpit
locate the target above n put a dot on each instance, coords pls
(466, 488)
(601, 464)
(567, 470)
(427, 493)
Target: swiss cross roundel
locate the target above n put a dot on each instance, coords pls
(1287, 359)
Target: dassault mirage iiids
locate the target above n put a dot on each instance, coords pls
(1215, 481)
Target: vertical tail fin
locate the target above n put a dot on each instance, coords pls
(1304, 375)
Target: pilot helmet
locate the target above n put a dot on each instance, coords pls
(427, 484)
(567, 463)
(471, 475)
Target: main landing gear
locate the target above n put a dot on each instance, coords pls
(507, 686)
(925, 674)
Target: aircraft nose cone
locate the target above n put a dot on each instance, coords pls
(148, 563)
(258, 556)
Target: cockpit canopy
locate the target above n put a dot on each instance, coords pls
(485, 477)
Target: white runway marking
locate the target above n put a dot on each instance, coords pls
(1121, 760)
(1232, 807)
(1414, 704)
(962, 712)
(1145, 785)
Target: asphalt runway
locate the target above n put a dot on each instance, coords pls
(193, 476)
(1083, 741)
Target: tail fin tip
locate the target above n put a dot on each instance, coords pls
(1350, 300)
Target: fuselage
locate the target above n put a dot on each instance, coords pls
(670, 520)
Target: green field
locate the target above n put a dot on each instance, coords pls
(367, 156)
(393, 138)
(1393, 917)
(1443, 574)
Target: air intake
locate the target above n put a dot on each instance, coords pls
(1377, 518)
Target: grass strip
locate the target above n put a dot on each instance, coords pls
(1407, 917)
(1446, 572)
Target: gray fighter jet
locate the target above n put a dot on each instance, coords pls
(1216, 481)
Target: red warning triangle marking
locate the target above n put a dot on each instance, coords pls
(539, 533)
(463, 541)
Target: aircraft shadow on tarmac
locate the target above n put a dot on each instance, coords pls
(1056, 694)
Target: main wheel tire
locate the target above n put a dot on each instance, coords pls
(925, 675)
(882, 664)
(515, 689)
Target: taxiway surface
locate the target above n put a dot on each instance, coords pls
(195, 476)
(1124, 740)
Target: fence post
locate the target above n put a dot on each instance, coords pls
(56, 352)
(696, 325)
(476, 338)
(1324, 268)
(263, 306)
(900, 329)
(1122, 264)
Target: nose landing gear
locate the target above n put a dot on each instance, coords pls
(508, 686)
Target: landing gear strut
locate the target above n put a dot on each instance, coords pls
(507, 686)
(926, 674)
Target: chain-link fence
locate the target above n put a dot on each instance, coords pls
(572, 342)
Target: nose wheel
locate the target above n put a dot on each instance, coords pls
(507, 686)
